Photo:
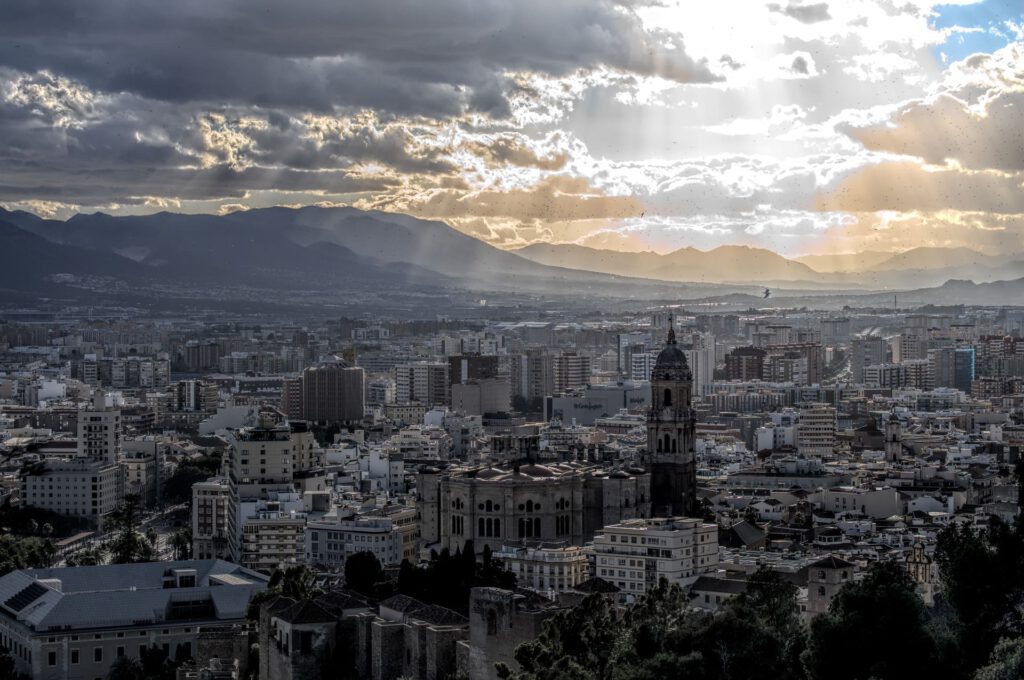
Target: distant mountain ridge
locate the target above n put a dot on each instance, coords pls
(732, 264)
(329, 254)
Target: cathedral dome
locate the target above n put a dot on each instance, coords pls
(671, 363)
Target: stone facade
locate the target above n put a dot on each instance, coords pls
(494, 506)
(499, 621)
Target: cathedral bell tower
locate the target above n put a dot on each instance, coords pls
(670, 434)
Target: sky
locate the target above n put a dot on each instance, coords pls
(803, 127)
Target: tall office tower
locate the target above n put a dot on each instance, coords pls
(99, 430)
(532, 374)
(745, 363)
(867, 351)
(571, 370)
(952, 367)
(671, 424)
(424, 382)
(333, 392)
(464, 368)
(291, 397)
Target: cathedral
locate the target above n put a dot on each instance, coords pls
(670, 434)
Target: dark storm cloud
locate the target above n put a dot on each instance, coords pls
(437, 58)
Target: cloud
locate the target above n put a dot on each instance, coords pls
(808, 14)
(907, 186)
(436, 59)
(946, 128)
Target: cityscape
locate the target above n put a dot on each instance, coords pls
(511, 341)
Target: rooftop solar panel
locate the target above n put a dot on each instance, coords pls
(25, 597)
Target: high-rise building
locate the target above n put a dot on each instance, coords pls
(867, 351)
(952, 367)
(532, 374)
(745, 363)
(571, 370)
(671, 424)
(291, 397)
(424, 382)
(467, 367)
(215, 520)
(333, 392)
(816, 431)
(99, 430)
(195, 395)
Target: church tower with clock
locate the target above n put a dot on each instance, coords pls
(670, 434)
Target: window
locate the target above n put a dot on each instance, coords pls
(97, 654)
(492, 622)
(74, 656)
(51, 659)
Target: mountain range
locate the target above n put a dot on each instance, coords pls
(333, 256)
(742, 264)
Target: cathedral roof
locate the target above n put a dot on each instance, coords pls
(671, 363)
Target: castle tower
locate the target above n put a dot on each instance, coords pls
(670, 434)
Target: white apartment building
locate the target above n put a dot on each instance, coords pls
(546, 570)
(390, 536)
(423, 382)
(76, 487)
(637, 553)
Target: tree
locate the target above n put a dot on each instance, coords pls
(128, 544)
(295, 582)
(874, 628)
(8, 668)
(24, 553)
(576, 644)
(362, 572)
(985, 608)
(181, 543)
(1006, 662)
(126, 668)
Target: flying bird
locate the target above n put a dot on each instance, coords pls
(767, 293)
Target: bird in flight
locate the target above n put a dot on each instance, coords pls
(767, 293)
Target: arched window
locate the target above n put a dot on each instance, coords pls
(529, 506)
(673, 446)
(489, 506)
(536, 526)
(492, 622)
(667, 399)
(522, 528)
(480, 527)
(497, 527)
(490, 527)
(667, 445)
